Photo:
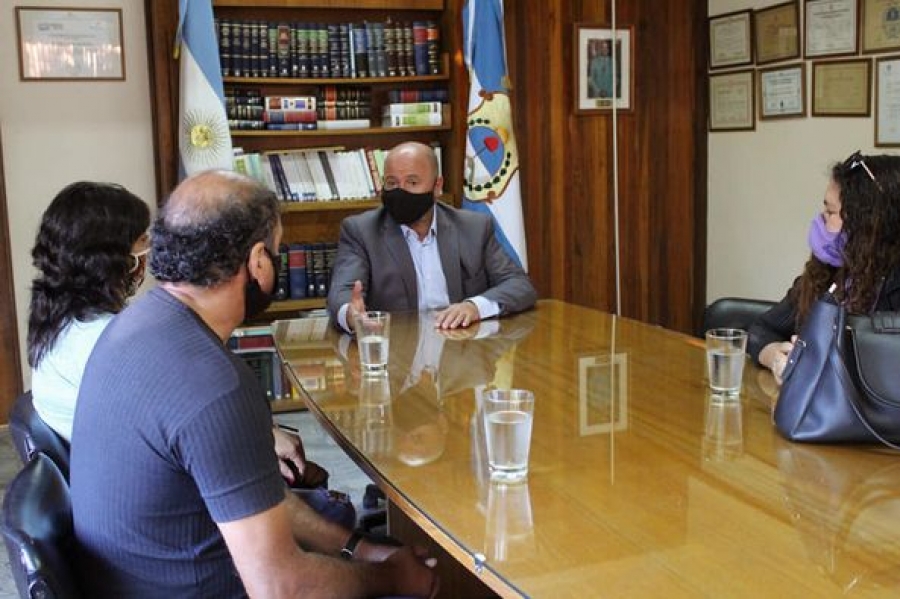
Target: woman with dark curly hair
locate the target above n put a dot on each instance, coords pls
(90, 253)
(855, 244)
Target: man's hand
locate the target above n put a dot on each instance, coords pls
(457, 315)
(289, 448)
(357, 304)
(415, 575)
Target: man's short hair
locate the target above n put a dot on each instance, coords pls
(203, 233)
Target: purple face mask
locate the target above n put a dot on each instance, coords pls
(825, 245)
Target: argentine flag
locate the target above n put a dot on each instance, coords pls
(204, 141)
(491, 169)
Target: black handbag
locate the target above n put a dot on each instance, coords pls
(842, 380)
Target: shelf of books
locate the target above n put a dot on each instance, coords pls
(331, 4)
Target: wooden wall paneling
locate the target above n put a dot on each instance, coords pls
(162, 21)
(10, 365)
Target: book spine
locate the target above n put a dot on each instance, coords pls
(264, 53)
(324, 62)
(292, 126)
(246, 57)
(391, 49)
(289, 116)
(420, 47)
(283, 50)
(224, 41)
(411, 108)
(253, 54)
(283, 288)
(290, 102)
(434, 48)
(299, 50)
(360, 57)
(297, 271)
(425, 119)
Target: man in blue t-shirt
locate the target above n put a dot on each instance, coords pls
(175, 485)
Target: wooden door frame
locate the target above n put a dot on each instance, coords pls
(10, 363)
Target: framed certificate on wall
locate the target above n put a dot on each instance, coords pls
(841, 87)
(782, 92)
(880, 25)
(731, 101)
(831, 27)
(777, 31)
(731, 39)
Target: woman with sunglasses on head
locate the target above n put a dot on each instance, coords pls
(91, 254)
(855, 244)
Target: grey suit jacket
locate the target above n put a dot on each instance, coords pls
(372, 249)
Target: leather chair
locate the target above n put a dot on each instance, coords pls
(733, 313)
(31, 434)
(37, 529)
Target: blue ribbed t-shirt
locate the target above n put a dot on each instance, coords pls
(171, 435)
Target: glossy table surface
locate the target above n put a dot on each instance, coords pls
(641, 484)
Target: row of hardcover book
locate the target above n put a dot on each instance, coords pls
(253, 48)
(305, 270)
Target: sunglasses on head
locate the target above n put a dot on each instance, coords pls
(855, 161)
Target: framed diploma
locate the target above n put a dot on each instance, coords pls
(70, 44)
(731, 39)
(887, 102)
(777, 31)
(831, 28)
(841, 87)
(731, 101)
(880, 25)
(782, 92)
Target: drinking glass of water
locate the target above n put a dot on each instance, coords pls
(508, 415)
(373, 331)
(725, 349)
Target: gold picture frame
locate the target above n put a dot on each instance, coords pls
(777, 32)
(732, 101)
(731, 39)
(70, 44)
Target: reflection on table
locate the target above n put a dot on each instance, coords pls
(638, 483)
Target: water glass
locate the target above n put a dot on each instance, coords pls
(373, 330)
(725, 349)
(508, 416)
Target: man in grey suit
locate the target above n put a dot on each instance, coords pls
(415, 253)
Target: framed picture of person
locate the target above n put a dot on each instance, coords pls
(604, 68)
(880, 25)
(777, 30)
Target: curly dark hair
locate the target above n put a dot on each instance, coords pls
(870, 210)
(83, 256)
(207, 226)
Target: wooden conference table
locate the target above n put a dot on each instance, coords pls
(639, 486)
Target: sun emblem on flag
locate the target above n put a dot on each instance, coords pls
(492, 158)
(204, 137)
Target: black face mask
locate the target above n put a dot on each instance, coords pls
(255, 299)
(406, 207)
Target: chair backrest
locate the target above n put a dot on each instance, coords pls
(37, 529)
(733, 313)
(31, 435)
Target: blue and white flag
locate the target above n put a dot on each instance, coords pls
(204, 141)
(491, 173)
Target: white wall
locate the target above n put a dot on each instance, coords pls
(55, 133)
(764, 188)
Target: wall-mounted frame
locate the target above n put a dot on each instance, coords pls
(602, 394)
(831, 28)
(887, 102)
(782, 92)
(731, 39)
(732, 103)
(596, 51)
(880, 25)
(842, 87)
(60, 44)
(777, 32)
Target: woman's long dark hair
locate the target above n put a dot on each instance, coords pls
(870, 210)
(83, 256)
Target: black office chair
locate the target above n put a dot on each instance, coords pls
(31, 435)
(37, 530)
(733, 313)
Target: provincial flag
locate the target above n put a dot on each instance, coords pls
(204, 141)
(491, 173)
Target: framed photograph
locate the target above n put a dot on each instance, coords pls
(70, 44)
(831, 28)
(777, 32)
(604, 69)
(732, 104)
(602, 394)
(880, 25)
(841, 87)
(887, 102)
(731, 39)
(782, 92)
